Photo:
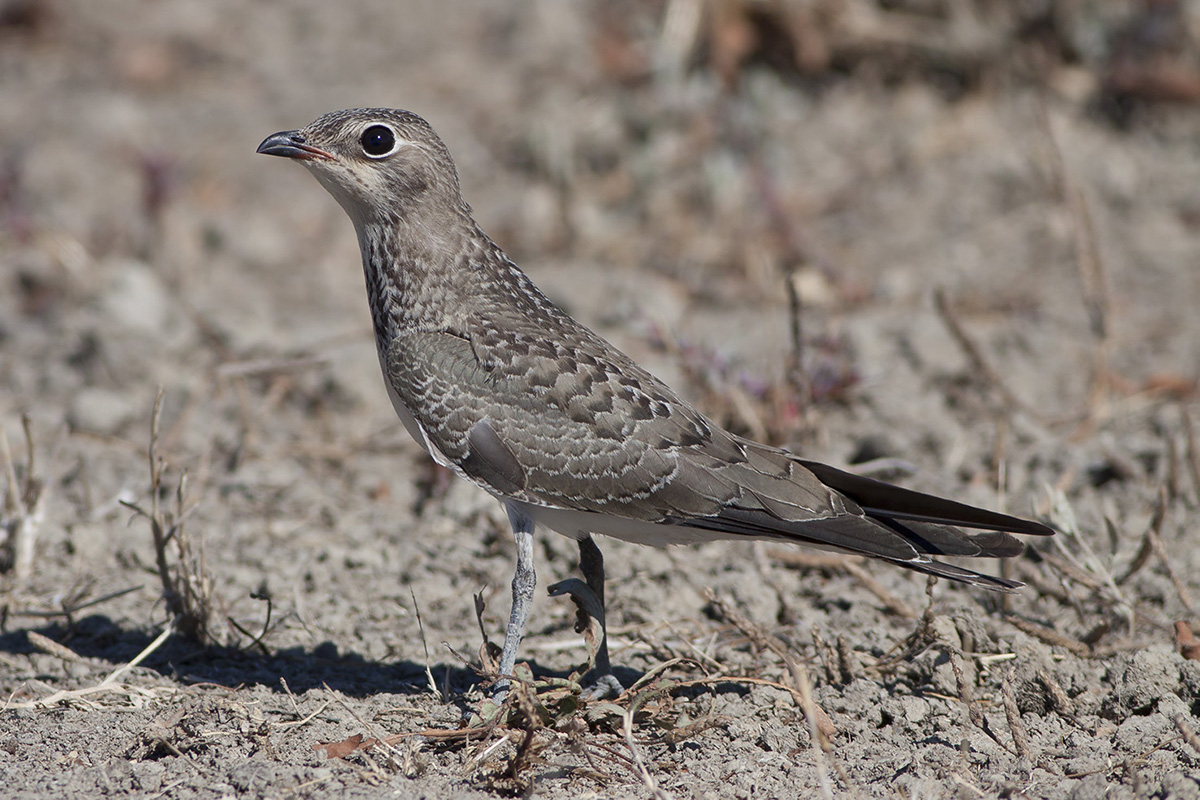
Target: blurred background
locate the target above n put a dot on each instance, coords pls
(952, 240)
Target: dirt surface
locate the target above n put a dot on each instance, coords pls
(661, 184)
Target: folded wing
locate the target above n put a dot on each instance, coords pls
(579, 427)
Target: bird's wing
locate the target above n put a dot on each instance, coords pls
(579, 426)
(547, 423)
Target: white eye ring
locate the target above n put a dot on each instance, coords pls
(378, 141)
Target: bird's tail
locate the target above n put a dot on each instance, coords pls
(933, 526)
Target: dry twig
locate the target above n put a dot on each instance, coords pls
(24, 506)
(187, 585)
(1097, 300)
(639, 763)
(821, 728)
(1051, 637)
(72, 606)
(1013, 715)
(425, 646)
(966, 693)
(109, 684)
(851, 565)
(51, 647)
(1193, 449)
(1152, 544)
(385, 741)
(1059, 700)
(982, 367)
(1187, 731)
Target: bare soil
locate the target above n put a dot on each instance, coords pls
(664, 184)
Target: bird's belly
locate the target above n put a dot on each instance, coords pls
(578, 524)
(410, 422)
(414, 428)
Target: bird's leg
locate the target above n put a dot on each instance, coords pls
(591, 564)
(523, 584)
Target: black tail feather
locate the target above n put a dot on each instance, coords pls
(887, 501)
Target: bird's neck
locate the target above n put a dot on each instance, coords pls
(432, 278)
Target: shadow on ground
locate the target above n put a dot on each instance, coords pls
(99, 637)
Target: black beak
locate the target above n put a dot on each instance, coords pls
(290, 144)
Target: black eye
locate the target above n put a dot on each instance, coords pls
(378, 140)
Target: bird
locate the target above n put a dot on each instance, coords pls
(506, 390)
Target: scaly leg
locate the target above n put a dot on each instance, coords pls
(523, 584)
(591, 564)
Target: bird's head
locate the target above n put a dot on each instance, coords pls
(382, 165)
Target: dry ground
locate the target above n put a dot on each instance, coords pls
(662, 182)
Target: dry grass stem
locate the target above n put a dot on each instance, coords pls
(699, 655)
(847, 663)
(1153, 535)
(824, 728)
(1013, 715)
(1172, 479)
(850, 565)
(382, 740)
(1193, 448)
(1059, 699)
(140, 657)
(110, 683)
(301, 719)
(791, 257)
(1142, 558)
(890, 601)
(1097, 300)
(23, 510)
(757, 636)
(1187, 732)
(1063, 520)
(966, 693)
(187, 585)
(71, 607)
(425, 645)
(980, 364)
(1051, 637)
(694, 729)
(819, 727)
(1152, 544)
(635, 753)
(51, 647)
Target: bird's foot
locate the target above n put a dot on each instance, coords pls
(601, 687)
